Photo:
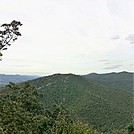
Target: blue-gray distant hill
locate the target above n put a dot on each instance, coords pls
(121, 80)
(5, 79)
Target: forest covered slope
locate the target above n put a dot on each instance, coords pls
(104, 107)
(122, 80)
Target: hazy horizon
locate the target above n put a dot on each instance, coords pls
(62, 73)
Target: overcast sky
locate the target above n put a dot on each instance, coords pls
(69, 36)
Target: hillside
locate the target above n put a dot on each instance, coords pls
(103, 107)
(122, 80)
(5, 79)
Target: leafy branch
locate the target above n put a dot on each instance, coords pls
(8, 34)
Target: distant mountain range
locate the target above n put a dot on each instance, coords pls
(122, 80)
(5, 79)
(97, 99)
(103, 106)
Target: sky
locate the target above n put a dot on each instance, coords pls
(69, 36)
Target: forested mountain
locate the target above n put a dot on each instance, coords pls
(122, 80)
(5, 79)
(104, 107)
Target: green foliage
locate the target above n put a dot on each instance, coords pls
(120, 132)
(80, 128)
(22, 113)
(20, 109)
(8, 33)
(131, 128)
(63, 124)
(121, 80)
(103, 107)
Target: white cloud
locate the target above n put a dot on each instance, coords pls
(130, 38)
(65, 35)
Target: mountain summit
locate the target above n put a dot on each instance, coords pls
(104, 107)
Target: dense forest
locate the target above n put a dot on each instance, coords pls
(22, 112)
(65, 103)
(121, 80)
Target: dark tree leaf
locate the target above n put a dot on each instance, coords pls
(9, 34)
(4, 48)
(3, 25)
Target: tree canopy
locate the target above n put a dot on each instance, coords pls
(21, 111)
(9, 32)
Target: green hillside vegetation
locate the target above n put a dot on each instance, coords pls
(122, 80)
(22, 110)
(22, 113)
(105, 108)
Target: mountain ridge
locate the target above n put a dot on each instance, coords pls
(106, 108)
(121, 80)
